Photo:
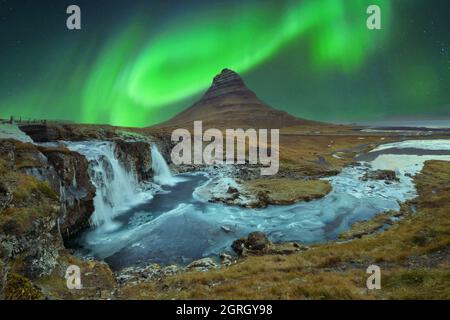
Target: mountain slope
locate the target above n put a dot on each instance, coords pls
(228, 103)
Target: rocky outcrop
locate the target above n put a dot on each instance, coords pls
(33, 259)
(37, 132)
(29, 238)
(74, 187)
(66, 173)
(136, 157)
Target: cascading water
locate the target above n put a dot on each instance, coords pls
(115, 187)
(177, 226)
(162, 174)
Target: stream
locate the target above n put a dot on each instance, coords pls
(175, 226)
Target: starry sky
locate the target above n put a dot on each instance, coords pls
(137, 62)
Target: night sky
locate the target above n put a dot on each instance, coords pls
(137, 63)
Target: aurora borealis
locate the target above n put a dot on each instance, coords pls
(138, 63)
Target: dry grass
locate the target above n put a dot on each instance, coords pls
(286, 191)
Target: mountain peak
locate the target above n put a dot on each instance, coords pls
(228, 103)
(227, 82)
(227, 76)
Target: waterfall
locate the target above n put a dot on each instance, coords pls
(162, 174)
(115, 187)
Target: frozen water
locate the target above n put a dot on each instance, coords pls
(12, 131)
(436, 144)
(177, 226)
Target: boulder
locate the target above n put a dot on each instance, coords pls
(255, 242)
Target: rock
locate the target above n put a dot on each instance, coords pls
(171, 270)
(136, 157)
(30, 244)
(387, 175)
(68, 176)
(152, 271)
(65, 172)
(226, 259)
(257, 241)
(254, 242)
(202, 264)
(232, 190)
(239, 246)
(37, 132)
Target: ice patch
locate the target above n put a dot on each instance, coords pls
(438, 144)
(12, 131)
(405, 164)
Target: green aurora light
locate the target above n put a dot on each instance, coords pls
(134, 77)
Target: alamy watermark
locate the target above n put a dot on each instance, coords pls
(73, 277)
(374, 20)
(73, 21)
(241, 147)
(374, 280)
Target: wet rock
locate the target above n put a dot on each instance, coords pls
(202, 264)
(136, 157)
(387, 175)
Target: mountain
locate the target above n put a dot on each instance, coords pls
(228, 103)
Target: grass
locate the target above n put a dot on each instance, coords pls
(286, 191)
(20, 288)
(31, 199)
